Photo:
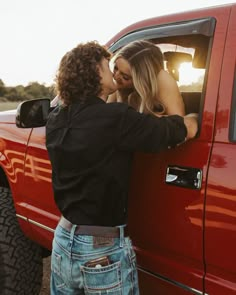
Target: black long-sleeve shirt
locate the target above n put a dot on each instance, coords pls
(91, 147)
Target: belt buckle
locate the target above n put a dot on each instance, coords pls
(99, 242)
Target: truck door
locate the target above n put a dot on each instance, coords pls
(220, 216)
(167, 194)
(42, 213)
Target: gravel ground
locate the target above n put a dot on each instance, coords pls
(46, 276)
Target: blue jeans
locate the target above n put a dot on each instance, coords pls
(70, 275)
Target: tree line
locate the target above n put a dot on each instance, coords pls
(36, 90)
(19, 93)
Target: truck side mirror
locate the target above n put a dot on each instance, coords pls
(32, 113)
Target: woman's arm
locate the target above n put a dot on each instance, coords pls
(169, 94)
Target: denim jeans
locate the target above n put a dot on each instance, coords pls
(70, 275)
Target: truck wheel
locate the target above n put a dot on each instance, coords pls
(21, 265)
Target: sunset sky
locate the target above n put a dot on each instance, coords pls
(35, 34)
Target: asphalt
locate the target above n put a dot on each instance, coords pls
(45, 290)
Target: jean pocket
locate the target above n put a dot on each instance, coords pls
(102, 280)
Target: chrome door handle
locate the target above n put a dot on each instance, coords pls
(184, 177)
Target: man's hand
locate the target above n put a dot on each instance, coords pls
(191, 123)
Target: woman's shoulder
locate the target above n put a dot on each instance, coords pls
(165, 78)
(169, 94)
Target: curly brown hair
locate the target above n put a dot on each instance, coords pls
(78, 74)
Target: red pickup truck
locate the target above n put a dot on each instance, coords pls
(182, 211)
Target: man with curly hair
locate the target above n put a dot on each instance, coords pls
(91, 145)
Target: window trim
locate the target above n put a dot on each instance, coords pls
(232, 124)
(203, 26)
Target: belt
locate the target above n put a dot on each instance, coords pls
(91, 230)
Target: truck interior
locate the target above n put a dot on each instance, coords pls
(186, 50)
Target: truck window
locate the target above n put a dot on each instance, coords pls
(179, 62)
(186, 47)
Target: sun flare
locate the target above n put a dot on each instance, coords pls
(189, 75)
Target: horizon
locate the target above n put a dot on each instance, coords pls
(43, 31)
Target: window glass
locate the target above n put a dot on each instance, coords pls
(186, 49)
(179, 63)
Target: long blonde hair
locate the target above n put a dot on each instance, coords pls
(146, 61)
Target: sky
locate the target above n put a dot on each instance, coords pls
(35, 34)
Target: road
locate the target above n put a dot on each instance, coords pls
(46, 276)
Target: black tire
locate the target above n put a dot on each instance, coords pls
(21, 265)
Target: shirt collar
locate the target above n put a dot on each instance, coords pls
(93, 100)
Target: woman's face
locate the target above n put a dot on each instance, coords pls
(122, 74)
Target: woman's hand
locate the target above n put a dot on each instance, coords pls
(191, 123)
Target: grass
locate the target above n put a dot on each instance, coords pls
(4, 106)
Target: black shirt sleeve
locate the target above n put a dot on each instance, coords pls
(147, 133)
